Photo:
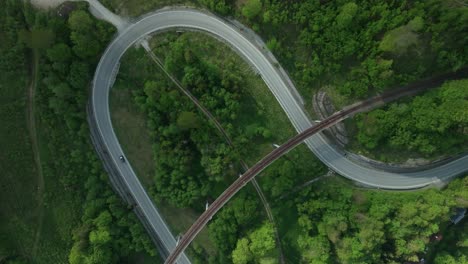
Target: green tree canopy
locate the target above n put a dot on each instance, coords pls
(346, 15)
(262, 240)
(241, 254)
(252, 9)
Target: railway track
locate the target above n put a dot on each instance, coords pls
(337, 117)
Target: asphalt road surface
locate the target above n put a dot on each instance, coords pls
(191, 19)
(249, 175)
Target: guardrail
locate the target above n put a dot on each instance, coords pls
(117, 182)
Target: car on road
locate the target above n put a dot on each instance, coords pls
(121, 158)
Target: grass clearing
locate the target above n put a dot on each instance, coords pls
(19, 193)
(18, 183)
(129, 125)
(62, 210)
(181, 219)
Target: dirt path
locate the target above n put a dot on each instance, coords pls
(35, 148)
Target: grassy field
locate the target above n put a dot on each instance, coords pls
(129, 125)
(21, 213)
(62, 210)
(18, 214)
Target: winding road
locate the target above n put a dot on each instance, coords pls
(196, 20)
(249, 175)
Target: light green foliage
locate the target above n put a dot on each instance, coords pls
(262, 240)
(273, 44)
(448, 259)
(242, 254)
(256, 247)
(268, 260)
(336, 42)
(417, 24)
(431, 123)
(346, 15)
(316, 249)
(372, 227)
(240, 213)
(399, 40)
(80, 21)
(453, 248)
(251, 9)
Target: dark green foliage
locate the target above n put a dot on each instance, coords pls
(239, 214)
(281, 177)
(361, 47)
(432, 123)
(188, 120)
(454, 245)
(192, 161)
(217, 82)
(18, 177)
(86, 34)
(223, 7)
(107, 230)
(251, 9)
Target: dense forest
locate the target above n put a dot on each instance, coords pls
(193, 163)
(191, 158)
(351, 48)
(334, 223)
(433, 123)
(361, 47)
(108, 229)
(372, 57)
(91, 225)
(354, 226)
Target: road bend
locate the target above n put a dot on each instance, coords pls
(226, 137)
(293, 142)
(175, 18)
